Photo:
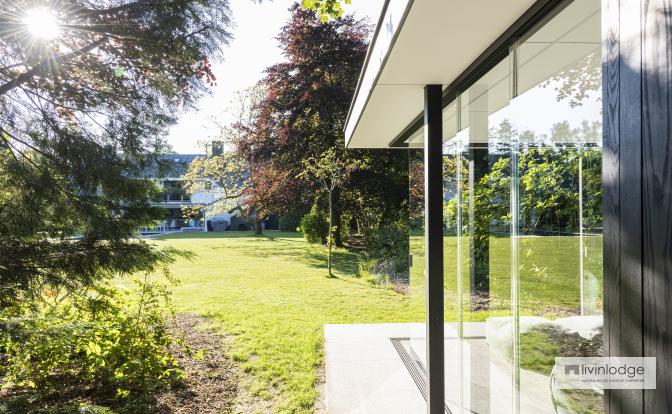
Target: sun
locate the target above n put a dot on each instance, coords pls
(42, 23)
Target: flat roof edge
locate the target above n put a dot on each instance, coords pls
(349, 129)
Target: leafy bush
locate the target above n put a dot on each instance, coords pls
(109, 342)
(390, 243)
(314, 226)
(289, 221)
(387, 253)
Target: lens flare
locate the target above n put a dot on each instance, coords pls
(42, 23)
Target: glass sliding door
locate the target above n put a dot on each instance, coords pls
(477, 230)
(522, 222)
(557, 116)
(416, 344)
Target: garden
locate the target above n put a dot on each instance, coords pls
(95, 318)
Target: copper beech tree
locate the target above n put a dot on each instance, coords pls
(302, 115)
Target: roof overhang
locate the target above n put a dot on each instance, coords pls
(417, 43)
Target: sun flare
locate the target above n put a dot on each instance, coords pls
(42, 23)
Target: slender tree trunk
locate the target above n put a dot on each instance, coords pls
(258, 230)
(329, 237)
(338, 239)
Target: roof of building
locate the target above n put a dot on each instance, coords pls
(416, 43)
(169, 165)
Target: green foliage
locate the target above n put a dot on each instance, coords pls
(325, 8)
(314, 226)
(331, 169)
(548, 185)
(302, 116)
(289, 221)
(108, 342)
(224, 175)
(37, 222)
(389, 242)
(82, 115)
(191, 212)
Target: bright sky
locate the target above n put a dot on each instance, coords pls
(252, 50)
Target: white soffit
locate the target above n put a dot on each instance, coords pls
(420, 42)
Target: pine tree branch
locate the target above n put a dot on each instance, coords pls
(46, 64)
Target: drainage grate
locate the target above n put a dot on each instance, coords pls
(414, 367)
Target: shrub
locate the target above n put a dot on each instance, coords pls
(314, 226)
(387, 253)
(289, 221)
(390, 243)
(112, 342)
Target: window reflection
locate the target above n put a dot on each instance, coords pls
(559, 241)
(522, 222)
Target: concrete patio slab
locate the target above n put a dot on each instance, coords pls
(364, 372)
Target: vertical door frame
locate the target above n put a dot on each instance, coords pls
(433, 116)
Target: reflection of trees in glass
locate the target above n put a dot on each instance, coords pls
(579, 80)
(450, 187)
(548, 169)
(416, 189)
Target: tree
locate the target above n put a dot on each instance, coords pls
(80, 115)
(224, 175)
(331, 171)
(302, 115)
(228, 174)
(548, 181)
(326, 9)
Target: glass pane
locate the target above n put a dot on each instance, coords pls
(556, 121)
(416, 208)
(477, 228)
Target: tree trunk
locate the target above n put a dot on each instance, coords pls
(338, 240)
(330, 240)
(258, 230)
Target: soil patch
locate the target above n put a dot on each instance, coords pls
(211, 383)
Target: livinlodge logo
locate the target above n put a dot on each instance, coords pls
(605, 373)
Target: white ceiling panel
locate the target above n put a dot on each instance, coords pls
(421, 42)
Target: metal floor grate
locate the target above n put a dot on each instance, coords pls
(414, 366)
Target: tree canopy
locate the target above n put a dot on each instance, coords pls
(325, 8)
(80, 116)
(302, 115)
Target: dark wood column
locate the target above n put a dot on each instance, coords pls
(656, 156)
(434, 247)
(637, 174)
(621, 175)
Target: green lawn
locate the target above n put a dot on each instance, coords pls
(272, 294)
(548, 269)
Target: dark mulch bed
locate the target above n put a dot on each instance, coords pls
(211, 382)
(210, 385)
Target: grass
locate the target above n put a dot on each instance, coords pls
(272, 294)
(549, 274)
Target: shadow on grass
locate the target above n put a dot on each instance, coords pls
(268, 235)
(285, 245)
(342, 262)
